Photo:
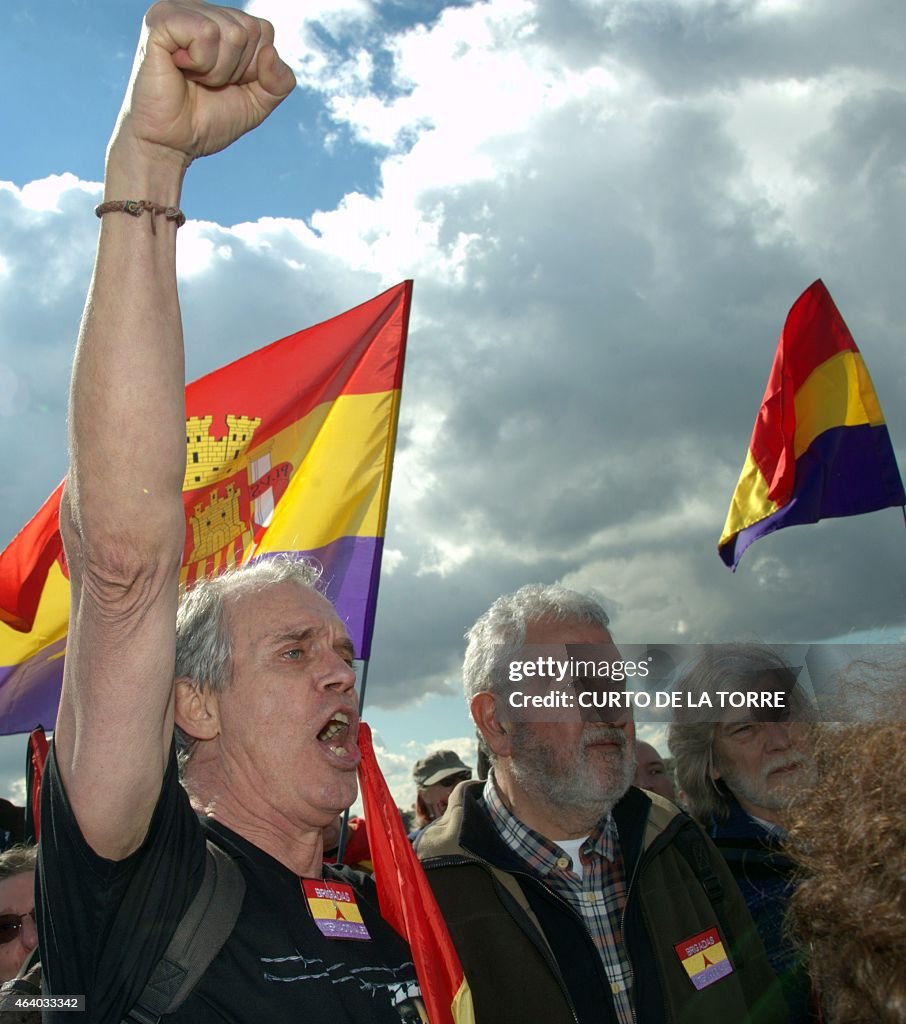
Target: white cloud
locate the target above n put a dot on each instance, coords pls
(396, 766)
(608, 210)
(288, 17)
(195, 253)
(45, 193)
(391, 560)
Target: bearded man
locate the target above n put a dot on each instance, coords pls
(740, 777)
(572, 896)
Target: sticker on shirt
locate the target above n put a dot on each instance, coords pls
(334, 909)
(704, 958)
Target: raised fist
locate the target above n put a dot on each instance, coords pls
(203, 76)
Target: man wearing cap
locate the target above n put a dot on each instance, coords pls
(571, 896)
(435, 777)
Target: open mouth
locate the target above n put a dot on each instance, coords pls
(336, 734)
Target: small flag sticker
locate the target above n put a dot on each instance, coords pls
(704, 958)
(334, 909)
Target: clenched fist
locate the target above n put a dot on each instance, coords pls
(203, 76)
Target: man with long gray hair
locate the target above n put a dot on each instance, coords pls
(571, 895)
(739, 776)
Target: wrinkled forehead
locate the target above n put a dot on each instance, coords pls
(285, 607)
(568, 631)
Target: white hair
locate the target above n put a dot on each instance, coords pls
(500, 632)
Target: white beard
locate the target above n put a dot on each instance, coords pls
(579, 784)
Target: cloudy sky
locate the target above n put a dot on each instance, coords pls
(607, 206)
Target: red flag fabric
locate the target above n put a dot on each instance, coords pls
(25, 563)
(37, 755)
(407, 901)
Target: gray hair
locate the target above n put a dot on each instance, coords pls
(719, 667)
(17, 860)
(203, 643)
(500, 632)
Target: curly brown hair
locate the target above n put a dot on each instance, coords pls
(849, 839)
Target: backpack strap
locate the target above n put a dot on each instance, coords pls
(693, 846)
(199, 937)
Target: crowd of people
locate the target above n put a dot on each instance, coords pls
(581, 878)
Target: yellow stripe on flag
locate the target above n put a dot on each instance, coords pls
(327, 910)
(336, 490)
(838, 393)
(463, 1010)
(50, 625)
(696, 963)
(750, 502)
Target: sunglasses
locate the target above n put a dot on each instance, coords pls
(454, 780)
(11, 925)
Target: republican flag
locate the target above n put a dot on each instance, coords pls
(406, 900)
(288, 449)
(820, 447)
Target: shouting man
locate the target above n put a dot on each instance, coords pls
(257, 676)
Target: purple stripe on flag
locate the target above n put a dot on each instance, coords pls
(351, 568)
(342, 929)
(846, 471)
(30, 692)
(713, 972)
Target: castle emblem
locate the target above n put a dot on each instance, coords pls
(209, 459)
(220, 525)
(215, 525)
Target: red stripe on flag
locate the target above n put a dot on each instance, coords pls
(37, 748)
(321, 357)
(24, 565)
(405, 896)
(813, 332)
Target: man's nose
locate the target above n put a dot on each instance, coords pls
(339, 674)
(29, 933)
(776, 735)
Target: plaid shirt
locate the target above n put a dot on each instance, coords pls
(598, 897)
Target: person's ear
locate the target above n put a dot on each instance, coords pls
(492, 726)
(421, 809)
(197, 711)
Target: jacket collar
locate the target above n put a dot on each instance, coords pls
(466, 830)
(740, 825)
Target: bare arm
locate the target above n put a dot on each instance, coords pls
(203, 76)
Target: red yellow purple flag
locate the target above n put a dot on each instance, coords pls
(820, 448)
(406, 900)
(288, 449)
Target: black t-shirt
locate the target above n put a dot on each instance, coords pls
(104, 925)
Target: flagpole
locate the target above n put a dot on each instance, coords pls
(344, 828)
